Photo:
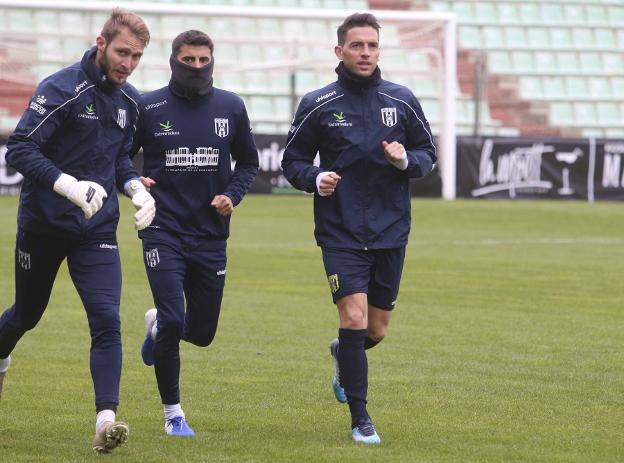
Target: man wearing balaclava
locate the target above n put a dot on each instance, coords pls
(188, 130)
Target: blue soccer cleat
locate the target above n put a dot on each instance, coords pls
(178, 426)
(364, 432)
(338, 389)
(147, 348)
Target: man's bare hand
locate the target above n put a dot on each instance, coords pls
(394, 151)
(223, 205)
(395, 154)
(328, 183)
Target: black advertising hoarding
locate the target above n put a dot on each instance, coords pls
(270, 177)
(10, 180)
(511, 168)
(519, 168)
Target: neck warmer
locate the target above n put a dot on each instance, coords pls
(190, 82)
(353, 79)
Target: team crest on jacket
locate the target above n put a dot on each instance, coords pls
(389, 116)
(121, 118)
(222, 127)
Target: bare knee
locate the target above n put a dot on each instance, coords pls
(353, 312)
(377, 333)
(378, 321)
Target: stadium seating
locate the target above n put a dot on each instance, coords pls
(567, 54)
(553, 67)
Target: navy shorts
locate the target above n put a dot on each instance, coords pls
(187, 277)
(375, 272)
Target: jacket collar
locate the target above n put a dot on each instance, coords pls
(95, 74)
(356, 82)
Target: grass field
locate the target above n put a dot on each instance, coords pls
(506, 346)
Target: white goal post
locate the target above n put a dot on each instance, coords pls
(406, 37)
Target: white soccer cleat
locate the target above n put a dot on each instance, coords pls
(365, 433)
(110, 436)
(4, 366)
(147, 348)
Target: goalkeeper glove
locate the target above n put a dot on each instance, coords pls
(143, 202)
(88, 196)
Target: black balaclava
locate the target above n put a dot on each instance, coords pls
(190, 82)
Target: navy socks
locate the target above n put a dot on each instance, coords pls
(354, 371)
(370, 343)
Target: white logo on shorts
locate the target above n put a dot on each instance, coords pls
(151, 257)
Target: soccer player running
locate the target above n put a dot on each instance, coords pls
(188, 131)
(72, 145)
(372, 137)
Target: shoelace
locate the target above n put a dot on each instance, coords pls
(366, 429)
(175, 422)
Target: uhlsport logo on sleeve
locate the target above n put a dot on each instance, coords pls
(389, 116)
(151, 257)
(222, 127)
(37, 104)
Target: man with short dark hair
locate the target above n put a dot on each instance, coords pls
(188, 131)
(372, 137)
(72, 146)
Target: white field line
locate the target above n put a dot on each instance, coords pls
(589, 240)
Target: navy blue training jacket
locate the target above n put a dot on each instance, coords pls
(80, 124)
(346, 123)
(187, 147)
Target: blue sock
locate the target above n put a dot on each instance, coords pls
(354, 371)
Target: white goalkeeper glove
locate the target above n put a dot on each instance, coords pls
(88, 196)
(143, 202)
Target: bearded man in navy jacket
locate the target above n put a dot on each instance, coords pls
(372, 137)
(188, 130)
(72, 145)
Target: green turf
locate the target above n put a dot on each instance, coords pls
(506, 346)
